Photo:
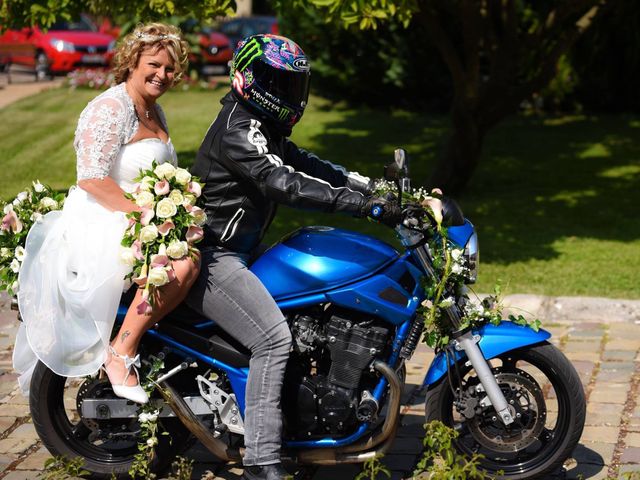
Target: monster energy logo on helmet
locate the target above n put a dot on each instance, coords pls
(247, 53)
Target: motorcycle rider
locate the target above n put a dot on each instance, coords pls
(248, 166)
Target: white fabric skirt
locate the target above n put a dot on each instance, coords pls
(71, 282)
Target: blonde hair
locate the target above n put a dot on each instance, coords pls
(150, 36)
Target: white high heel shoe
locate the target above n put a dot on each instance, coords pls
(135, 393)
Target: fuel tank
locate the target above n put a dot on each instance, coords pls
(315, 259)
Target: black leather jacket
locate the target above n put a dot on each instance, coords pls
(248, 168)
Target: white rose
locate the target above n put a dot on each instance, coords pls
(152, 442)
(457, 269)
(176, 197)
(19, 253)
(8, 208)
(166, 208)
(177, 249)
(147, 183)
(36, 217)
(165, 170)
(149, 233)
(5, 252)
(144, 198)
(158, 276)
(182, 176)
(199, 217)
(48, 202)
(456, 253)
(22, 196)
(127, 257)
(15, 265)
(38, 187)
(189, 199)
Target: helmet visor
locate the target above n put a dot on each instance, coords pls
(290, 87)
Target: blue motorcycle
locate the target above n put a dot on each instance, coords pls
(352, 304)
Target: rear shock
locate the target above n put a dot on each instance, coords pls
(413, 338)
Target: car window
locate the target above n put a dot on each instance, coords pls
(77, 26)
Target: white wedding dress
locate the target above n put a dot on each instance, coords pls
(72, 278)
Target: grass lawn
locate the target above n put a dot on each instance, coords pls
(555, 200)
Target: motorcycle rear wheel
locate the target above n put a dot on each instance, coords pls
(549, 397)
(65, 434)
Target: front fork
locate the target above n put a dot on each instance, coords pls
(468, 343)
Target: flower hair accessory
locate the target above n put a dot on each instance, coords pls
(148, 38)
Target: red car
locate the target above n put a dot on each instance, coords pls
(215, 53)
(65, 46)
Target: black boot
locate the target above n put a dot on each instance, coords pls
(266, 472)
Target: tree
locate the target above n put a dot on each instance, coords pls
(498, 53)
(19, 13)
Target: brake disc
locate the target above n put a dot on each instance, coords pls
(528, 407)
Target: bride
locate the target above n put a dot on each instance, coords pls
(72, 278)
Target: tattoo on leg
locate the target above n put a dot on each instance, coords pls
(124, 336)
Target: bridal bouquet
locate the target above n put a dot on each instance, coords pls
(166, 228)
(19, 215)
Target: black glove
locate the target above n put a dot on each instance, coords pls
(382, 211)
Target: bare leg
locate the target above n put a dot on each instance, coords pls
(135, 325)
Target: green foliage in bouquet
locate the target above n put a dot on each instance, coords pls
(166, 229)
(20, 214)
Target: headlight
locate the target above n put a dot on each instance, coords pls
(112, 46)
(62, 46)
(472, 257)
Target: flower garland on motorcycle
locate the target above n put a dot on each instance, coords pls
(454, 269)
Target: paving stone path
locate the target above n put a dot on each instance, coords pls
(600, 336)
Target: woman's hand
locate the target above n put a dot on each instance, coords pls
(108, 194)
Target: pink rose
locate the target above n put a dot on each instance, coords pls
(159, 260)
(144, 308)
(146, 216)
(194, 234)
(166, 227)
(162, 187)
(195, 188)
(11, 222)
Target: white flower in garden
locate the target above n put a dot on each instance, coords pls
(182, 176)
(149, 233)
(19, 253)
(177, 249)
(48, 202)
(176, 197)
(166, 208)
(15, 265)
(38, 187)
(144, 198)
(165, 170)
(127, 257)
(158, 276)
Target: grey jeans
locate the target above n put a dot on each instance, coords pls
(230, 294)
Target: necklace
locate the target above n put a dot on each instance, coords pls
(147, 113)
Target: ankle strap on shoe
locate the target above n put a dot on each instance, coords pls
(128, 361)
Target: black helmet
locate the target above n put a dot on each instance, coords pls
(271, 74)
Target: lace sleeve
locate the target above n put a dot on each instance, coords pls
(100, 133)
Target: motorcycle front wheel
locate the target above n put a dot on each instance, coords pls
(107, 446)
(546, 397)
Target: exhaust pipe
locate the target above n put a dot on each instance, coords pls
(359, 452)
(219, 448)
(362, 451)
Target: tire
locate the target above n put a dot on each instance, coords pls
(520, 374)
(71, 437)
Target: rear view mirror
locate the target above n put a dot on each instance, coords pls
(398, 169)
